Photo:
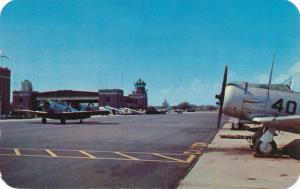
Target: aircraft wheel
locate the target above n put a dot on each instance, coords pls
(265, 148)
(63, 120)
(44, 120)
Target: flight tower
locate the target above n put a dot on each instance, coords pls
(140, 94)
(140, 87)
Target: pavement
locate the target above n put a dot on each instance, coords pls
(229, 163)
(142, 151)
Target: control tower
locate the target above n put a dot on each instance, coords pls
(140, 94)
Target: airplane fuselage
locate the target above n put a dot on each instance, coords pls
(246, 102)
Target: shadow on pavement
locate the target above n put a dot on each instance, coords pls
(77, 123)
(292, 149)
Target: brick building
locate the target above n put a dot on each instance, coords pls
(25, 98)
(4, 91)
(115, 97)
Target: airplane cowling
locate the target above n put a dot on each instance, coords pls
(46, 106)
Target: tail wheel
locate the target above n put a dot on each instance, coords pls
(265, 148)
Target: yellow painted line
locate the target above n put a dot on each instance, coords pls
(198, 152)
(98, 158)
(190, 159)
(68, 150)
(199, 145)
(17, 152)
(87, 154)
(129, 157)
(178, 160)
(51, 153)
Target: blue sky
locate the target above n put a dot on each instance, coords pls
(178, 47)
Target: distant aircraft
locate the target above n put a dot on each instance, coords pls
(62, 111)
(274, 106)
(123, 111)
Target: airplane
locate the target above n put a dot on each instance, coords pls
(274, 106)
(123, 111)
(61, 110)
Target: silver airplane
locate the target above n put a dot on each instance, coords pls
(61, 110)
(274, 106)
(124, 111)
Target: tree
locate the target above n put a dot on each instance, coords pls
(184, 106)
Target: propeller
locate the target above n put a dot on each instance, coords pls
(221, 97)
(46, 106)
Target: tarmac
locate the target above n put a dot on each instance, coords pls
(229, 163)
(138, 151)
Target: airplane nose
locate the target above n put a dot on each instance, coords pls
(232, 101)
(228, 99)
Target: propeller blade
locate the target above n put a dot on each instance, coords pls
(221, 97)
(220, 116)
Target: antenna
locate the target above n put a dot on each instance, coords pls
(270, 81)
(122, 82)
(270, 78)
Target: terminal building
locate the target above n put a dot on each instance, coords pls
(4, 91)
(115, 97)
(26, 98)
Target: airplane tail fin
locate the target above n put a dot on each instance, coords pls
(288, 82)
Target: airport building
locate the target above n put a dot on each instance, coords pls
(26, 98)
(4, 91)
(115, 97)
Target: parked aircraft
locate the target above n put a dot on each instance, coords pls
(274, 106)
(61, 110)
(123, 111)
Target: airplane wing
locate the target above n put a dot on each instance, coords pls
(86, 113)
(38, 113)
(287, 123)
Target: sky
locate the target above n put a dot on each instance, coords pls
(179, 47)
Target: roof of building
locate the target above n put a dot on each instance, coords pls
(67, 93)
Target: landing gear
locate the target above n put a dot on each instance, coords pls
(262, 148)
(63, 120)
(44, 120)
(81, 121)
(263, 142)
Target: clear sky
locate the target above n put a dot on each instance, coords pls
(179, 47)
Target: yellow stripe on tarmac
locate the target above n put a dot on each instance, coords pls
(178, 160)
(17, 152)
(51, 153)
(87, 154)
(199, 145)
(190, 159)
(130, 157)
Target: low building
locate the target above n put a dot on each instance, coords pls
(111, 97)
(25, 100)
(115, 97)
